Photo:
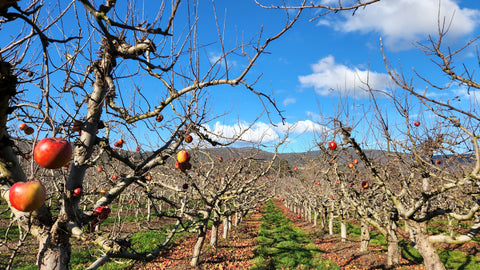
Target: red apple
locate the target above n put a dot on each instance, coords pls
(332, 145)
(22, 126)
(29, 130)
(299, 217)
(159, 118)
(147, 176)
(183, 156)
(350, 165)
(99, 169)
(355, 161)
(114, 177)
(417, 123)
(102, 212)
(295, 168)
(188, 138)
(137, 149)
(77, 192)
(27, 197)
(52, 153)
(438, 162)
(220, 159)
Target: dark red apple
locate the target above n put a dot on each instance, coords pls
(27, 197)
(185, 186)
(183, 166)
(220, 159)
(52, 153)
(188, 138)
(159, 118)
(417, 123)
(29, 131)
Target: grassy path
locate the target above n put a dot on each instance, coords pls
(282, 245)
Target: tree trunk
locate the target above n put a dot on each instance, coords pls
(393, 254)
(202, 232)
(54, 248)
(431, 260)
(225, 228)
(315, 217)
(364, 236)
(330, 224)
(215, 225)
(343, 231)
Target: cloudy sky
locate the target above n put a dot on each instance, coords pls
(319, 69)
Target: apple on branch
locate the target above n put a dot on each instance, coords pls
(52, 153)
(27, 196)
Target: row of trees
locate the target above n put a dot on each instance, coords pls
(425, 167)
(79, 70)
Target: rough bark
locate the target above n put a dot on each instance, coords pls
(214, 233)
(419, 232)
(225, 228)
(202, 232)
(364, 236)
(343, 231)
(393, 253)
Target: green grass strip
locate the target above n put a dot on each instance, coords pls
(281, 244)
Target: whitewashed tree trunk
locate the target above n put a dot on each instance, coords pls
(330, 224)
(315, 217)
(225, 227)
(393, 253)
(364, 236)
(343, 231)
(431, 260)
(214, 233)
(202, 232)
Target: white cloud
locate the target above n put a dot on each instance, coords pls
(259, 132)
(329, 76)
(303, 126)
(262, 132)
(289, 101)
(401, 22)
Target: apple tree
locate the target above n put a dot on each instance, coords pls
(81, 70)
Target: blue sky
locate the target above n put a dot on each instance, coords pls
(314, 71)
(314, 63)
